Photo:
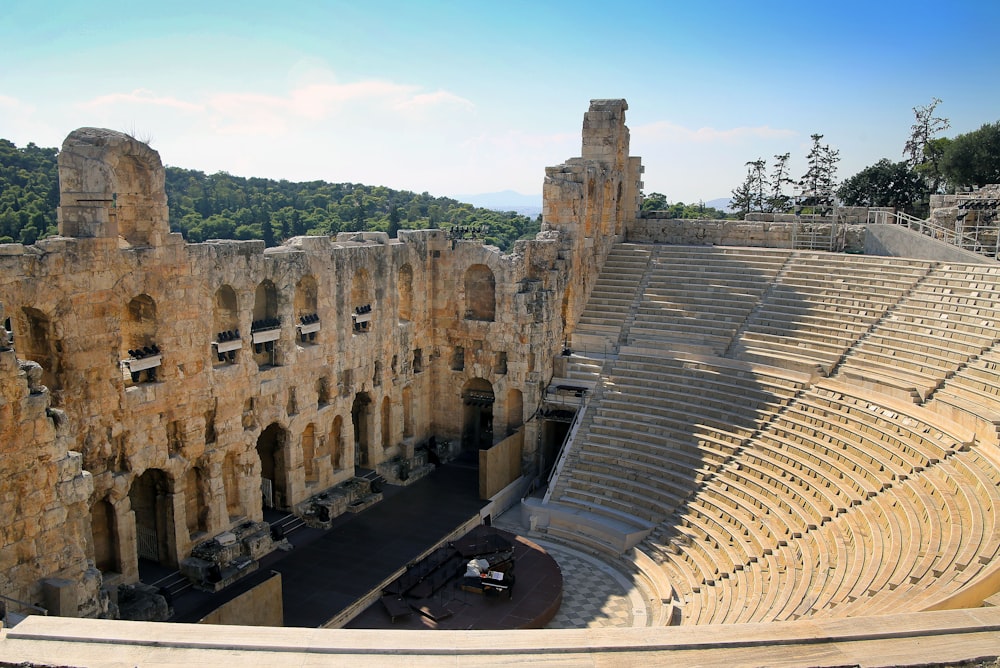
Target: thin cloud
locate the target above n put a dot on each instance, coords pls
(14, 104)
(253, 112)
(422, 101)
(667, 131)
(140, 96)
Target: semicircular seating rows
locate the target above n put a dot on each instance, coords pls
(815, 449)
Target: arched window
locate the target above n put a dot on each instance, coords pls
(36, 342)
(336, 443)
(480, 293)
(226, 327)
(196, 513)
(362, 308)
(306, 306)
(386, 423)
(138, 339)
(405, 289)
(309, 453)
(266, 325)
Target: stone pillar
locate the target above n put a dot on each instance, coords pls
(178, 539)
(215, 499)
(128, 554)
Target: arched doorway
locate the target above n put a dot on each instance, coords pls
(104, 537)
(271, 450)
(477, 419)
(361, 415)
(149, 497)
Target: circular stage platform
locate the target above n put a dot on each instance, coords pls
(431, 595)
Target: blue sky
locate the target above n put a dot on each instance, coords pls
(470, 97)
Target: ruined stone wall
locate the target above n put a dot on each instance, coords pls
(43, 491)
(590, 199)
(164, 423)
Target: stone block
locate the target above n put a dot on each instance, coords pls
(60, 597)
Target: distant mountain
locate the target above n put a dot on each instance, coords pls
(722, 203)
(506, 200)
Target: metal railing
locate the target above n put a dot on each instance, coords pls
(12, 610)
(564, 451)
(955, 237)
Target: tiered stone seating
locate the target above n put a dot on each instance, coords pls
(773, 500)
(611, 298)
(663, 425)
(820, 305)
(952, 316)
(972, 396)
(874, 507)
(698, 297)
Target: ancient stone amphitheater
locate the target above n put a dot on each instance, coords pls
(794, 451)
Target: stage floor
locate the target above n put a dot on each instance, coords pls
(536, 597)
(329, 570)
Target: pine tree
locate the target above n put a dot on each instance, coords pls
(778, 201)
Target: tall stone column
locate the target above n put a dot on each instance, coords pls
(128, 553)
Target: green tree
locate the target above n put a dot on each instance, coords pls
(758, 183)
(916, 150)
(777, 199)
(394, 227)
(749, 195)
(973, 158)
(654, 202)
(817, 185)
(885, 183)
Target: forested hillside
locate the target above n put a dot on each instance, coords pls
(222, 206)
(29, 192)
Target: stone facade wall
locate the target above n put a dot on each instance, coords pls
(702, 232)
(164, 423)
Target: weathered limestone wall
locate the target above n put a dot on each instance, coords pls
(43, 492)
(350, 351)
(764, 234)
(590, 199)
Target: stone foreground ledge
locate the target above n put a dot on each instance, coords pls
(909, 639)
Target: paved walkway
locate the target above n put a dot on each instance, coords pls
(596, 593)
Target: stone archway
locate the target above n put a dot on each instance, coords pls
(361, 416)
(271, 450)
(150, 500)
(477, 416)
